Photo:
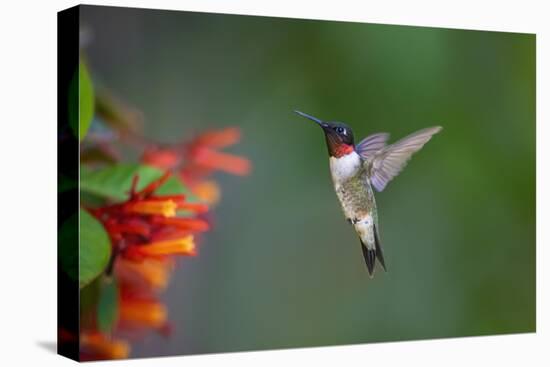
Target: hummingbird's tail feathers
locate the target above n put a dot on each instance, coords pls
(371, 255)
(370, 258)
(378, 247)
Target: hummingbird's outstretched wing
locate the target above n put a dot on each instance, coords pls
(390, 160)
(371, 144)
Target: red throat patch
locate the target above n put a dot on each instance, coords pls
(341, 150)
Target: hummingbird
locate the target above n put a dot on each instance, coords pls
(356, 169)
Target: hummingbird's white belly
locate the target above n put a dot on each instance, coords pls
(345, 167)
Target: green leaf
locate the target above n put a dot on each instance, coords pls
(81, 101)
(107, 308)
(95, 248)
(114, 182)
(89, 200)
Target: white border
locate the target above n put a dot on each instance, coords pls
(28, 184)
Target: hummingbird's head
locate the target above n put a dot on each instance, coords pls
(338, 135)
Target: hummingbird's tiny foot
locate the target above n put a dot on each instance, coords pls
(353, 221)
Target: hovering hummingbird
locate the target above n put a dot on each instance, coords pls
(356, 168)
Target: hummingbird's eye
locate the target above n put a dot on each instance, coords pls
(340, 130)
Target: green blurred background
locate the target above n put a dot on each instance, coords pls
(282, 268)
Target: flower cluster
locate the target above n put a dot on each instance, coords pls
(146, 226)
(145, 234)
(148, 230)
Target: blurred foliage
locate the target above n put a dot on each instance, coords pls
(107, 309)
(116, 114)
(81, 109)
(284, 268)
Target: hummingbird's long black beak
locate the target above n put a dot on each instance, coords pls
(319, 122)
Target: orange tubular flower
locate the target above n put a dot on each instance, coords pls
(166, 208)
(136, 227)
(204, 158)
(189, 224)
(98, 346)
(161, 158)
(142, 312)
(208, 191)
(219, 138)
(213, 160)
(197, 208)
(179, 246)
(153, 273)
